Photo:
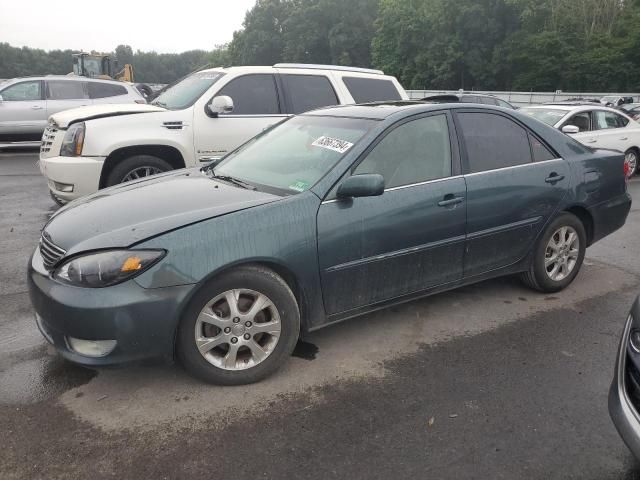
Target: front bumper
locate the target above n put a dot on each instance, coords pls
(142, 321)
(624, 394)
(83, 173)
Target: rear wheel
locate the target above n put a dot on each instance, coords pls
(631, 162)
(239, 328)
(558, 255)
(136, 167)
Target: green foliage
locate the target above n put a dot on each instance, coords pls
(577, 45)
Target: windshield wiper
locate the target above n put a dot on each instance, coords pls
(235, 181)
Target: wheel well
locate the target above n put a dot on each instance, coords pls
(169, 154)
(586, 219)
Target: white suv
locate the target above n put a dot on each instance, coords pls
(199, 119)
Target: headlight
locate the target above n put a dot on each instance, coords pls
(73, 141)
(103, 269)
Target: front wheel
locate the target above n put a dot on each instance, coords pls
(137, 167)
(558, 255)
(239, 328)
(631, 162)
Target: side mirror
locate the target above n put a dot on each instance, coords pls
(365, 185)
(570, 129)
(220, 105)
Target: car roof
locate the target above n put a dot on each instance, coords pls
(577, 107)
(63, 77)
(299, 67)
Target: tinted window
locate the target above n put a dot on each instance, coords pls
(493, 141)
(103, 90)
(580, 120)
(252, 95)
(365, 90)
(539, 150)
(23, 91)
(414, 152)
(606, 120)
(489, 101)
(307, 92)
(65, 90)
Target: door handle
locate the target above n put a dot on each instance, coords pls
(450, 200)
(36, 107)
(554, 178)
(624, 138)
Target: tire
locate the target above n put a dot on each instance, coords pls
(58, 200)
(631, 159)
(538, 277)
(137, 163)
(217, 364)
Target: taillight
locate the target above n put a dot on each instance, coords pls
(627, 169)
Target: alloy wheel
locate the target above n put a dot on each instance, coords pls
(237, 329)
(561, 254)
(140, 172)
(631, 159)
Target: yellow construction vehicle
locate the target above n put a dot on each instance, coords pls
(98, 65)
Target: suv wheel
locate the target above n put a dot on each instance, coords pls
(136, 167)
(558, 255)
(239, 328)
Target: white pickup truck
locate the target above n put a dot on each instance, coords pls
(197, 120)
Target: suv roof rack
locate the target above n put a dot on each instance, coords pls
(313, 66)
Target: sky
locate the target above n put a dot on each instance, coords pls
(102, 25)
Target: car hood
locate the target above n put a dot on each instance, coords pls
(129, 213)
(67, 117)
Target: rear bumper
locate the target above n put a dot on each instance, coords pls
(142, 321)
(609, 216)
(623, 395)
(81, 173)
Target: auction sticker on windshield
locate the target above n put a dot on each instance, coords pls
(334, 144)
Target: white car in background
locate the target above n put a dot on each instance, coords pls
(199, 119)
(595, 126)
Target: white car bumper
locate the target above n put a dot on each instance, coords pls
(72, 177)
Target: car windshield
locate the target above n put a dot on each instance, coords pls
(294, 155)
(185, 93)
(549, 116)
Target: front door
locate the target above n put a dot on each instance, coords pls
(23, 114)
(514, 185)
(408, 239)
(256, 106)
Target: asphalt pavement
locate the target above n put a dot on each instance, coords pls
(489, 381)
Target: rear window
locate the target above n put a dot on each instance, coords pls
(307, 92)
(364, 90)
(65, 90)
(104, 90)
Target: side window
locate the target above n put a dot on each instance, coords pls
(493, 141)
(414, 152)
(605, 120)
(253, 95)
(539, 150)
(24, 91)
(104, 90)
(307, 92)
(65, 90)
(580, 120)
(365, 90)
(622, 121)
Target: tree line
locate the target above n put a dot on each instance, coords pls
(572, 45)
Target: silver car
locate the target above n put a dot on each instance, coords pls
(26, 103)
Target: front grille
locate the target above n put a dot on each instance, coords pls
(51, 253)
(47, 138)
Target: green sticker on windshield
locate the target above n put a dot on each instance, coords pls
(299, 186)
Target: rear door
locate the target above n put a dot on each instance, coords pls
(23, 114)
(66, 94)
(307, 92)
(610, 132)
(514, 186)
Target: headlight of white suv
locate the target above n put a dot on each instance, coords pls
(73, 141)
(103, 269)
